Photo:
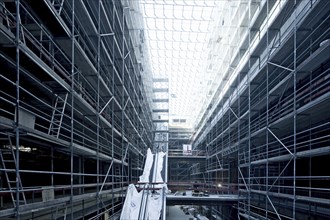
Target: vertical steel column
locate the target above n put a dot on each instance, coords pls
(221, 141)
(309, 162)
(80, 161)
(129, 166)
(124, 56)
(167, 148)
(238, 128)
(267, 106)
(83, 171)
(229, 137)
(17, 44)
(98, 199)
(72, 104)
(112, 110)
(294, 108)
(52, 166)
(249, 119)
(216, 153)
(208, 140)
(123, 97)
(166, 162)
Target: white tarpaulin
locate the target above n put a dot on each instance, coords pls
(159, 167)
(155, 205)
(144, 178)
(132, 204)
(152, 203)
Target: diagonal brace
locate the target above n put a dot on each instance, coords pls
(107, 34)
(126, 103)
(126, 152)
(283, 67)
(240, 172)
(280, 174)
(218, 161)
(280, 141)
(106, 105)
(270, 201)
(106, 176)
(233, 112)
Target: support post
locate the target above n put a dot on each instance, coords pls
(73, 36)
(17, 129)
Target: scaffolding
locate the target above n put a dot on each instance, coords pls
(183, 166)
(266, 130)
(80, 104)
(75, 117)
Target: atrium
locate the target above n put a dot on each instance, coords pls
(124, 109)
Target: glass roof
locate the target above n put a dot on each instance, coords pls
(178, 33)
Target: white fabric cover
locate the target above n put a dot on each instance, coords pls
(154, 205)
(133, 200)
(160, 160)
(132, 204)
(144, 178)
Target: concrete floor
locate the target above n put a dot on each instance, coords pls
(175, 213)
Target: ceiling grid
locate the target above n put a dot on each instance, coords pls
(178, 33)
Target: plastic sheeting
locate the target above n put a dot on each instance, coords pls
(131, 208)
(154, 208)
(144, 178)
(147, 203)
(159, 167)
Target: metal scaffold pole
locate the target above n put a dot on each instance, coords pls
(112, 70)
(98, 110)
(294, 109)
(267, 112)
(17, 119)
(73, 36)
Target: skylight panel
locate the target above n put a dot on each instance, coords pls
(168, 23)
(168, 11)
(203, 26)
(197, 13)
(177, 11)
(159, 10)
(161, 45)
(194, 26)
(207, 13)
(187, 12)
(177, 36)
(168, 54)
(151, 34)
(178, 32)
(160, 25)
(177, 25)
(149, 10)
(169, 2)
(186, 25)
(180, 2)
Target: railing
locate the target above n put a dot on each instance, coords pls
(190, 153)
(206, 187)
(34, 194)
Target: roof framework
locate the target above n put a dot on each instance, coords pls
(178, 35)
